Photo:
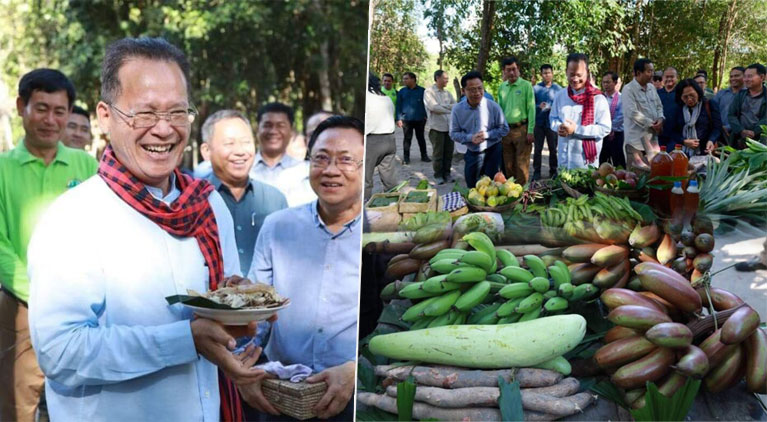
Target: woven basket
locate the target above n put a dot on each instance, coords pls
(505, 207)
(295, 399)
(628, 193)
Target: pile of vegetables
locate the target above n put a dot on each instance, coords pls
(602, 218)
(731, 190)
(494, 192)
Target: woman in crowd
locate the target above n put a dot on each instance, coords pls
(697, 124)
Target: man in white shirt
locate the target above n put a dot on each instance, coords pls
(109, 344)
(439, 104)
(272, 165)
(642, 116)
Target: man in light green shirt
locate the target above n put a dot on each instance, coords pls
(32, 175)
(389, 89)
(517, 100)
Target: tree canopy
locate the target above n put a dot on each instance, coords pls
(310, 54)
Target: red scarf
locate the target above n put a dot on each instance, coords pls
(188, 216)
(586, 99)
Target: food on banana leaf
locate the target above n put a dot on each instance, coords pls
(245, 296)
(383, 201)
(419, 197)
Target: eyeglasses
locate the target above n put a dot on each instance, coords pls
(344, 163)
(145, 119)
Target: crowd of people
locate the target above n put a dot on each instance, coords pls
(580, 124)
(89, 250)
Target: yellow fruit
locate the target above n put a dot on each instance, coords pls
(492, 191)
(492, 201)
(482, 190)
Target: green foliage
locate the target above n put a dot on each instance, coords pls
(397, 48)
(510, 401)
(405, 399)
(661, 408)
(307, 53)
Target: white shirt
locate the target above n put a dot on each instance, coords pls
(439, 104)
(109, 344)
(641, 107)
(289, 175)
(570, 149)
(379, 114)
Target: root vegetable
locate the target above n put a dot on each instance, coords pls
(452, 377)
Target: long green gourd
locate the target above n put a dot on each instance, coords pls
(523, 344)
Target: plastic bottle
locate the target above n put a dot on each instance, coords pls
(660, 166)
(691, 199)
(677, 203)
(679, 166)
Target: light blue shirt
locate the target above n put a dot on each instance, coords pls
(319, 271)
(724, 98)
(110, 346)
(271, 175)
(544, 94)
(617, 122)
(466, 120)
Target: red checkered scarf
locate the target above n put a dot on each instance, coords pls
(189, 215)
(586, 99)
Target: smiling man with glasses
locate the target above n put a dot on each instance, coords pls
(110, 346)
(311, 253)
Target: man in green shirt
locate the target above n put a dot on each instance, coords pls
(32, 175)
(517, 100)
(389, 89)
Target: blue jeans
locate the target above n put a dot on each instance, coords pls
(486, 163)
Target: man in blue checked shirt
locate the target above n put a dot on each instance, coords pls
(311, 254)
(479, 124)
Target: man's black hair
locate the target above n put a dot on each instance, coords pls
(389, 75)
(470, 75)
(684, 84)
(81, 111)
(438, 73)
(411, 74)
(702, 72)
(343, 122)
(546, 66)
(46, 80)
(577, 57)
(657, 76)
(760, 69)
(507, 61)
(613, 75)
(641, 64)
(276, 108)
(741, 69)
(123, 50)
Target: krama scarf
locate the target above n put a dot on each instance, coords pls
(188, 216)
(586, 99)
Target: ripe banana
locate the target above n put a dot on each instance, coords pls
(442, 304)
(466, 275)
(478, 259)
(506, 257)
(481, 242)
(473, 297)
(517, 274)
(515, 290)
(536, 265)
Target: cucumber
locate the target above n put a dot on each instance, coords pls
(522, 344)
(559, 364)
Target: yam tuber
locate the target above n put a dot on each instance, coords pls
(452, 377)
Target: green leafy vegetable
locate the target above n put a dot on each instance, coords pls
(510, 401)
(405, 399)
(661, 408)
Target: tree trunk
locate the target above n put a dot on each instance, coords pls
(488, 11)
(725, 32)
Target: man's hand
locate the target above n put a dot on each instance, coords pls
(530, 138)
(691, 143)
(399, 124)
(340, 380)
(544, 105)
(215, 342)
(478, 137)
(747, 134)
(657, 126)
(567, 128)
(709, 147)
(253, 395)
